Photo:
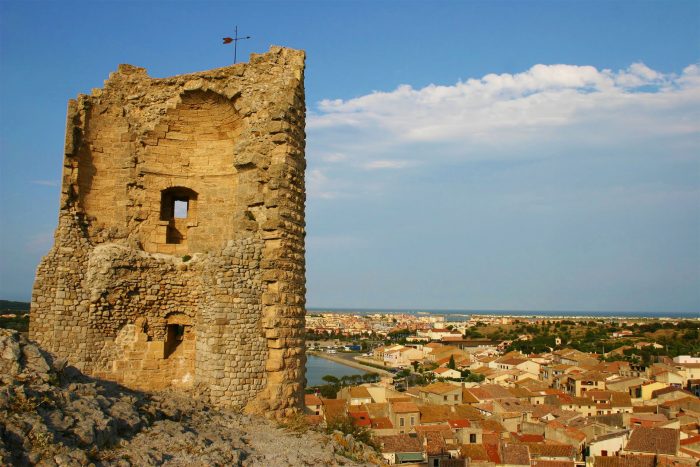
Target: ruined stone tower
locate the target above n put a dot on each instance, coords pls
(178, 260)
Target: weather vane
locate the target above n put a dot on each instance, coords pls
(235, 39)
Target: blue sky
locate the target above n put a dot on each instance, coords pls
(469, 155)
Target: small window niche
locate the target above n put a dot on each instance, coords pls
(178, 336)
(177, 207)
(174, 337)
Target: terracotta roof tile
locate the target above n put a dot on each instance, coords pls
(552, 450)
(334, 408)
(404, 407)
(377, 410)
(492, 453)
(312, 399)
(654, 440)
(516, 454)
(360, 392)
(459, 423)
(473, 452)
(550, 463)
(442, 428)
(527, 438)
(434, 413)
(360, 418)
(690, 441)
(381, 423)
(434, 442)
(399, 443)
(466, 411)
(492, 426)
(624, 461)
(440, 388)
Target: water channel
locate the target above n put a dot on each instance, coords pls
(317, 368)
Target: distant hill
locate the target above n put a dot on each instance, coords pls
(20, 320)
(8, 306)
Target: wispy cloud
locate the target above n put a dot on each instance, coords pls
(51, 183)
(387, 164)
(318, 185)
(333, 157)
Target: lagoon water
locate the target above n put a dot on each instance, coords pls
(317, 368)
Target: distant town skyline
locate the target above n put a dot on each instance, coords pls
(461, 155)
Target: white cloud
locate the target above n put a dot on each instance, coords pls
(386, 164)
(357, 145)
(318, 185)
(509, 110)
(333, 157)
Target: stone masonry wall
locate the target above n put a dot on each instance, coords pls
(178, 260)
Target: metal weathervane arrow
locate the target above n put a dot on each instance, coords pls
(235, 39)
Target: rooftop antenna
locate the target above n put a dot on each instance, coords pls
(235, 39)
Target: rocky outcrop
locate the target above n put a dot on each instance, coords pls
(51, 414)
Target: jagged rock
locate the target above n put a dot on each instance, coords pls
(9, 355)
(35, 362)
(54, 416)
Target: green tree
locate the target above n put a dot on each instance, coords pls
(330, 379)
(329, 391)
(451, 364)
(370, 377)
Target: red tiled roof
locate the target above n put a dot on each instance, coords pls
(654, 440)
(569, 431)
(360, 418)
(381, 423)
(474, 452)
(526, 438)
(442, 428)
(623, 461)
(434, 413)
(550, 463)
(538, 449)
(459, 423)
(404, 407)
(399, 443)
(359, 392)
(434, 442)
(516, 454)
(312, 399)
(466, 411)
(492, 426)
(691, 440)
(334, 408)
(440, 388)
(492, 453)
